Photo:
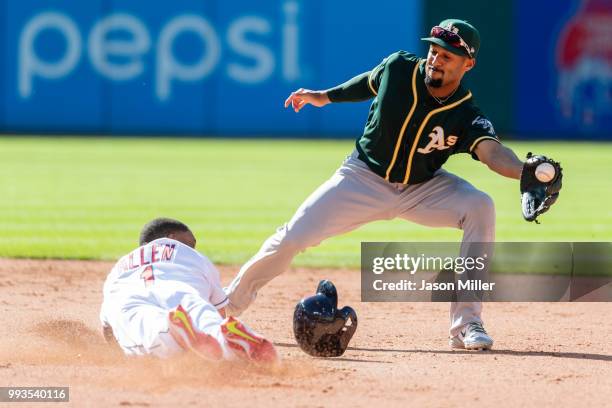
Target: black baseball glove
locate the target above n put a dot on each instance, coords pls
(537, 196)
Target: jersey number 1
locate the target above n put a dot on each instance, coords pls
(147, 276)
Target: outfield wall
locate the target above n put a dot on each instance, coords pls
(224, 68)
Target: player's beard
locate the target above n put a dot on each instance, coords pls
(433, 83)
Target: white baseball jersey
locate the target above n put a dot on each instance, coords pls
(147, 283)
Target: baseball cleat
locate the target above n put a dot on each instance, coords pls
(456, 343)
(246, 343)
(472, 337)
(184, 333)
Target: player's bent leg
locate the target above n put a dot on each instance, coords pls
(478, 225)
(204, 318)
(189, 337)
(141, 327)
(248, 344)
(478, 216)
(353, 196)
(197, 326)
(207, 331)
(449, 201)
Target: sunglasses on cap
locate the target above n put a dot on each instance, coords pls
(451, 38)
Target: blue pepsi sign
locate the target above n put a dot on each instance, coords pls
(191, 67)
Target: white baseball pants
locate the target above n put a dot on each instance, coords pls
(140, 322)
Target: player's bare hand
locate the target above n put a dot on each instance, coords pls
(302, 97)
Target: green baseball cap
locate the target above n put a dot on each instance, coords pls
(456, 36)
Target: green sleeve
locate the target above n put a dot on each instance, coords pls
(480, 128)
(354, 90)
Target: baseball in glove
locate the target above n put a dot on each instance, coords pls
(540, 185)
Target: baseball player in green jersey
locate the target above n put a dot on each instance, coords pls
(420, 115)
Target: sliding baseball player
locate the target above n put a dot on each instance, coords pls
(164, 298)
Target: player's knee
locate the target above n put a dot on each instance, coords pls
(480, 206)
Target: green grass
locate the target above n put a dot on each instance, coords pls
(88, 197)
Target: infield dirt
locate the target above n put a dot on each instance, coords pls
(546, 354)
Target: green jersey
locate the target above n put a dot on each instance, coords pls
(409, 135)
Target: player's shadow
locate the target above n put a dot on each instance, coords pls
(354, 360)
(526, 353)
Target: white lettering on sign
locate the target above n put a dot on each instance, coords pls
(101, 48)
(118, 44)
(30, 65)
(264, 60)
(291, 45)
(168, 68)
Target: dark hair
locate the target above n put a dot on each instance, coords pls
(160, 228)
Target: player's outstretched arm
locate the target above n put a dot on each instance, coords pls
(499, 158)
(354, 90)
(302, 97)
